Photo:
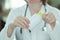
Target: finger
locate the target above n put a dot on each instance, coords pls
(17, 24)
(52, 18)
(53, 21)
(23, 21)
(45, 18)
(26, 19)
(49, 17)
(20, 24)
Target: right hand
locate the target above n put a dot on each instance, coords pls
(21, 22)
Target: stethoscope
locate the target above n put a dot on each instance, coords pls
(25, 16)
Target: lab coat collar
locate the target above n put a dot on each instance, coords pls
(42, 9)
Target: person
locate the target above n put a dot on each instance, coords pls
(17, 24)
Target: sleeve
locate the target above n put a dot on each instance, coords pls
(3, 35)
(55, 34)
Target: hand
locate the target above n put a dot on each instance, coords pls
(50, 19)
(21, 22)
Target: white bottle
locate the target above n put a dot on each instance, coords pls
(34, 20)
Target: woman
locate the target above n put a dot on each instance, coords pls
(18, 24)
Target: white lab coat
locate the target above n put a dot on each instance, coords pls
(36, 33)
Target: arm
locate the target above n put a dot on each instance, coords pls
(55, 34)
(3, 33)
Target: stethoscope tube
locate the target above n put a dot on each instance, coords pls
(25, 16)
(44, 22)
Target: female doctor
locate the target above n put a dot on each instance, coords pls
(18, 22)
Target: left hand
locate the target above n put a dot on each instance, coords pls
(50, 19)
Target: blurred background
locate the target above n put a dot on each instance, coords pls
(7, 5)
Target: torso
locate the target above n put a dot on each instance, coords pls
(35, 32)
